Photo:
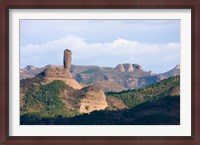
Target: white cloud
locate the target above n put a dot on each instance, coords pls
(150, 56)
(150, 31)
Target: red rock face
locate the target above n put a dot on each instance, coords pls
(67, 60)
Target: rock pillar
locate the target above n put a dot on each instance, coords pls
(67, 59)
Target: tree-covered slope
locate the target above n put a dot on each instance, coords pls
(58, 103)
(47, 100)
(164, 111)
(167, 87)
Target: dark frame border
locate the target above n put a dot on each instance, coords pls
(99, 4)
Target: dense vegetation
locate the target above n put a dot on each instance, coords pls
(45, 101)
(163, 88)
(154, 104)
(161, 112)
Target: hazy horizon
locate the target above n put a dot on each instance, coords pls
(153, 44)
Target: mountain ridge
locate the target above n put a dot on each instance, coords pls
(129, 78)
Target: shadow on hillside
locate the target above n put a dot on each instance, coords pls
(164, 111)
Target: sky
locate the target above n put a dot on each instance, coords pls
(154, 44)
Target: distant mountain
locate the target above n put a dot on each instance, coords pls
(174, 72)
(30, 71)
(122, 77)
(128, 76)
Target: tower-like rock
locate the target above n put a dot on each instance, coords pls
(61, 73)
(67, 60)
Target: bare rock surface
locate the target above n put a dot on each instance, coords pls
(120, 68)
(93, 99)
(128, 67)
(69, 81)
(59, 72)
(115, 103)
(67, 59)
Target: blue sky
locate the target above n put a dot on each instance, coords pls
(154, 44)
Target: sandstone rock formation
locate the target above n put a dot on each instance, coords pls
(69, 81)
(61, 73)
(120, 68)
(57, 72)
(67, 60)
(127, 67)
(115, 103)
(93, 99)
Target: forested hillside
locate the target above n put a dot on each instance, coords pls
(167, 87)
(58, 103)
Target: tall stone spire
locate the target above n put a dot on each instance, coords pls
(61, 73)
(67, 60)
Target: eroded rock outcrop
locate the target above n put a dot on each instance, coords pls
(127, 67)
(61, 73)
(120, 68)
(57, 72)
(67, 59)
(92, 99)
